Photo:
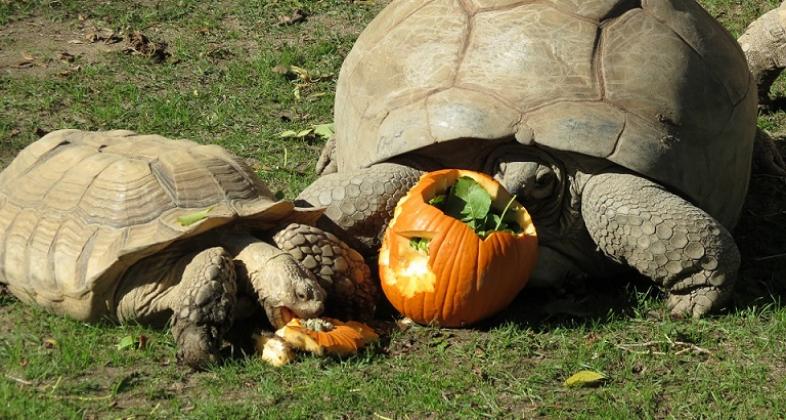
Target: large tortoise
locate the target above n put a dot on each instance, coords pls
(124, 227)
(625, 127)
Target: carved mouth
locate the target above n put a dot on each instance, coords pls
(280, 316)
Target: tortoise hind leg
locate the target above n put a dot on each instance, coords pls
(200, 292)
(681, 248)
(764, 44)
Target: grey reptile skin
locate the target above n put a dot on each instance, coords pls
(638, 223)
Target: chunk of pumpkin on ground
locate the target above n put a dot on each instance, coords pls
(327, 336)
(274, 350)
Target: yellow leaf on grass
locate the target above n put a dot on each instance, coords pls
(301, 73)
(325, 131)
(585, 378)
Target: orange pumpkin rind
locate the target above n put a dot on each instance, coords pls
(327, 336)
(462, 278)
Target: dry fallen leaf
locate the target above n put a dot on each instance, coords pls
(142, 341)
(296, 17)
(50, 343)
(66, 57)
(67, 72)
(106, 35)
(139, 44)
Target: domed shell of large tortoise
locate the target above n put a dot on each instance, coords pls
(78, 208)
(656, 86)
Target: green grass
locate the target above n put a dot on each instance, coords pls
(220, 86)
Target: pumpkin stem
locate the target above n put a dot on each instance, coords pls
(505, 212)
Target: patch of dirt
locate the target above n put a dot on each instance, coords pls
(40, 47)
(253, 40)
(43, 48)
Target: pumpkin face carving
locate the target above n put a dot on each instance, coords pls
(434, 268)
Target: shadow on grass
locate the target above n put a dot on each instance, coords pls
(761, 237)
(5, 296)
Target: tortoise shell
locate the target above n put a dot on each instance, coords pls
(656, 86)
(78, 208)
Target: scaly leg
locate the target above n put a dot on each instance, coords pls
(684, 250)
(360, 203)
(199, 290)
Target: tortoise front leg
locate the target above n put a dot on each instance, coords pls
(360, 203)
(683, 249)
(198, 289)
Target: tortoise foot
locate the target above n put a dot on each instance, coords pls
(697, 302)
(203, 307)
(664, 237)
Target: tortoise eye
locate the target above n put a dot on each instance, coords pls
(544, 179)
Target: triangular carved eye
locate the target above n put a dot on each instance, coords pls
(417, 240)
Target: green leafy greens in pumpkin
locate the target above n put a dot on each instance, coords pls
(420, 245)
(469, 202)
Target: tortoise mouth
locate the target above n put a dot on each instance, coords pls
(280, 316)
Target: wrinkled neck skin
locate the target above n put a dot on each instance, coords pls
(283, 287)
(549, 184)
(550, 188)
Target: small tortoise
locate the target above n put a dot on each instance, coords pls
(625, 127)
(95, 225)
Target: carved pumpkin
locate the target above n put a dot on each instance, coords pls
(327, 336)
(456, 278)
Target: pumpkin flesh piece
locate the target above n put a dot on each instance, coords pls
(343, 339)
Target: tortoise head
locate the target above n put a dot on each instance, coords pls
(537, 180)
(289, 291)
